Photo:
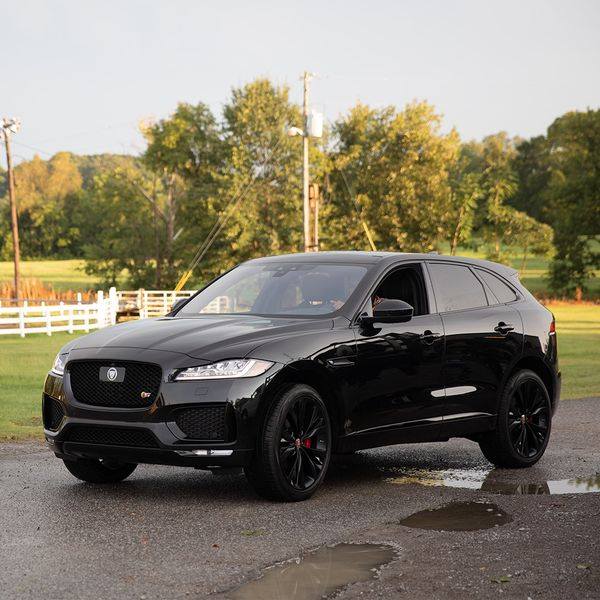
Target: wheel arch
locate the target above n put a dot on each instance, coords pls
(541, 369)
(309, 373)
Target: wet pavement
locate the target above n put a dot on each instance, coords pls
(179, 533)
(319, 573)
(459, 516)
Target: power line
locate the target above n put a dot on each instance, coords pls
(222, 220)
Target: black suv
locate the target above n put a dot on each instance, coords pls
(282, 361)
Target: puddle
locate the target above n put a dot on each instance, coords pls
(319, 573)
(486, 481)
(459, 516)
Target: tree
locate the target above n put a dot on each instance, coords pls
(466, 192)
(47, 191)
(268, 218)
(573, 194)
(118, 219)
(532, 170)
(498, 183)
(185, 154)
(395, 165)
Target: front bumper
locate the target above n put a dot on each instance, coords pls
(169, 445)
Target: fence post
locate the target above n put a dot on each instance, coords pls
(70, 318)
(48, 321)
(22, 321)
(86, 318)
(143, 304)
(100, 310)
(113, 305)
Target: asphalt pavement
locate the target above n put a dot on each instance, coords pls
(171, 532)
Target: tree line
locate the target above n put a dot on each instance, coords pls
(142, 219)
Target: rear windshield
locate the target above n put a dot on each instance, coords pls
(290, 289)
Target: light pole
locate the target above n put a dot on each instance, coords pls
(306, 132)
(10, 126)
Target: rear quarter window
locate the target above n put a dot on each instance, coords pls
(502, 292)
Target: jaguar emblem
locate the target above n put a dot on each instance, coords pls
(111, 374)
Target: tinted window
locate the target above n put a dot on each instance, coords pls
(278, 289)
(456, 287)
(404, 284)
(500, 290)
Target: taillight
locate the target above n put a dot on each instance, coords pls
(553, 326)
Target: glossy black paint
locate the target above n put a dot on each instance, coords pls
(432, 377)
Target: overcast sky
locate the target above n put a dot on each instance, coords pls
(82, 74)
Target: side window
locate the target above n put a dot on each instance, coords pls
(456, 287)
(405, 284)
(499, 289)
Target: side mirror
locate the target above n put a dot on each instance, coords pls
(390, 311)
(178, 305)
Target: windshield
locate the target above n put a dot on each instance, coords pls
(291, 289)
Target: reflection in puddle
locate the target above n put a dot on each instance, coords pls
(486, 481)
(459, 516)
(318, 573)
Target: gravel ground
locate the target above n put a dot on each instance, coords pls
(180, 533)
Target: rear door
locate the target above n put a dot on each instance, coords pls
(483, 338)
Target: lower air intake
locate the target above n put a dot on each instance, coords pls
(52, 412)
(106, 436)
(204, 423)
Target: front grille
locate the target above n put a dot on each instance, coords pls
(203, 422)
(52, 412)
(138, 389)
(111, 436)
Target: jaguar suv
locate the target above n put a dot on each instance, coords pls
(283, 361)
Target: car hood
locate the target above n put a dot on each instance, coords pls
(206, 337)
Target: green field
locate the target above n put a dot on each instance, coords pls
(62, 275)
(24, 362)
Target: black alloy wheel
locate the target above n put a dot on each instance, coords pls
(523, 424)
(295, 447)
(529, 418)
(304, 442)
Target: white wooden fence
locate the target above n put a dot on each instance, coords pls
(149, 303)
(52, 318)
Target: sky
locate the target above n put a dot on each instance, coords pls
(82, 74)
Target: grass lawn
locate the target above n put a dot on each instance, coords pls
(62, 275)
(24, 362)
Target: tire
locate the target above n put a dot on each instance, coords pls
(523, 425)
(94, 470)
(294, 449)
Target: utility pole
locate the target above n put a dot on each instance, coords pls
(10, 126)
(305, 174)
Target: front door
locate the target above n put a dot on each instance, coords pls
(399, 365)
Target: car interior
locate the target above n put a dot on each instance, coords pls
(404, 284)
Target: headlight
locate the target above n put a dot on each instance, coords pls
(226, 369)
(58, 368)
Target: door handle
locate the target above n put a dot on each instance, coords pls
(429, 336)
(503, 328)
